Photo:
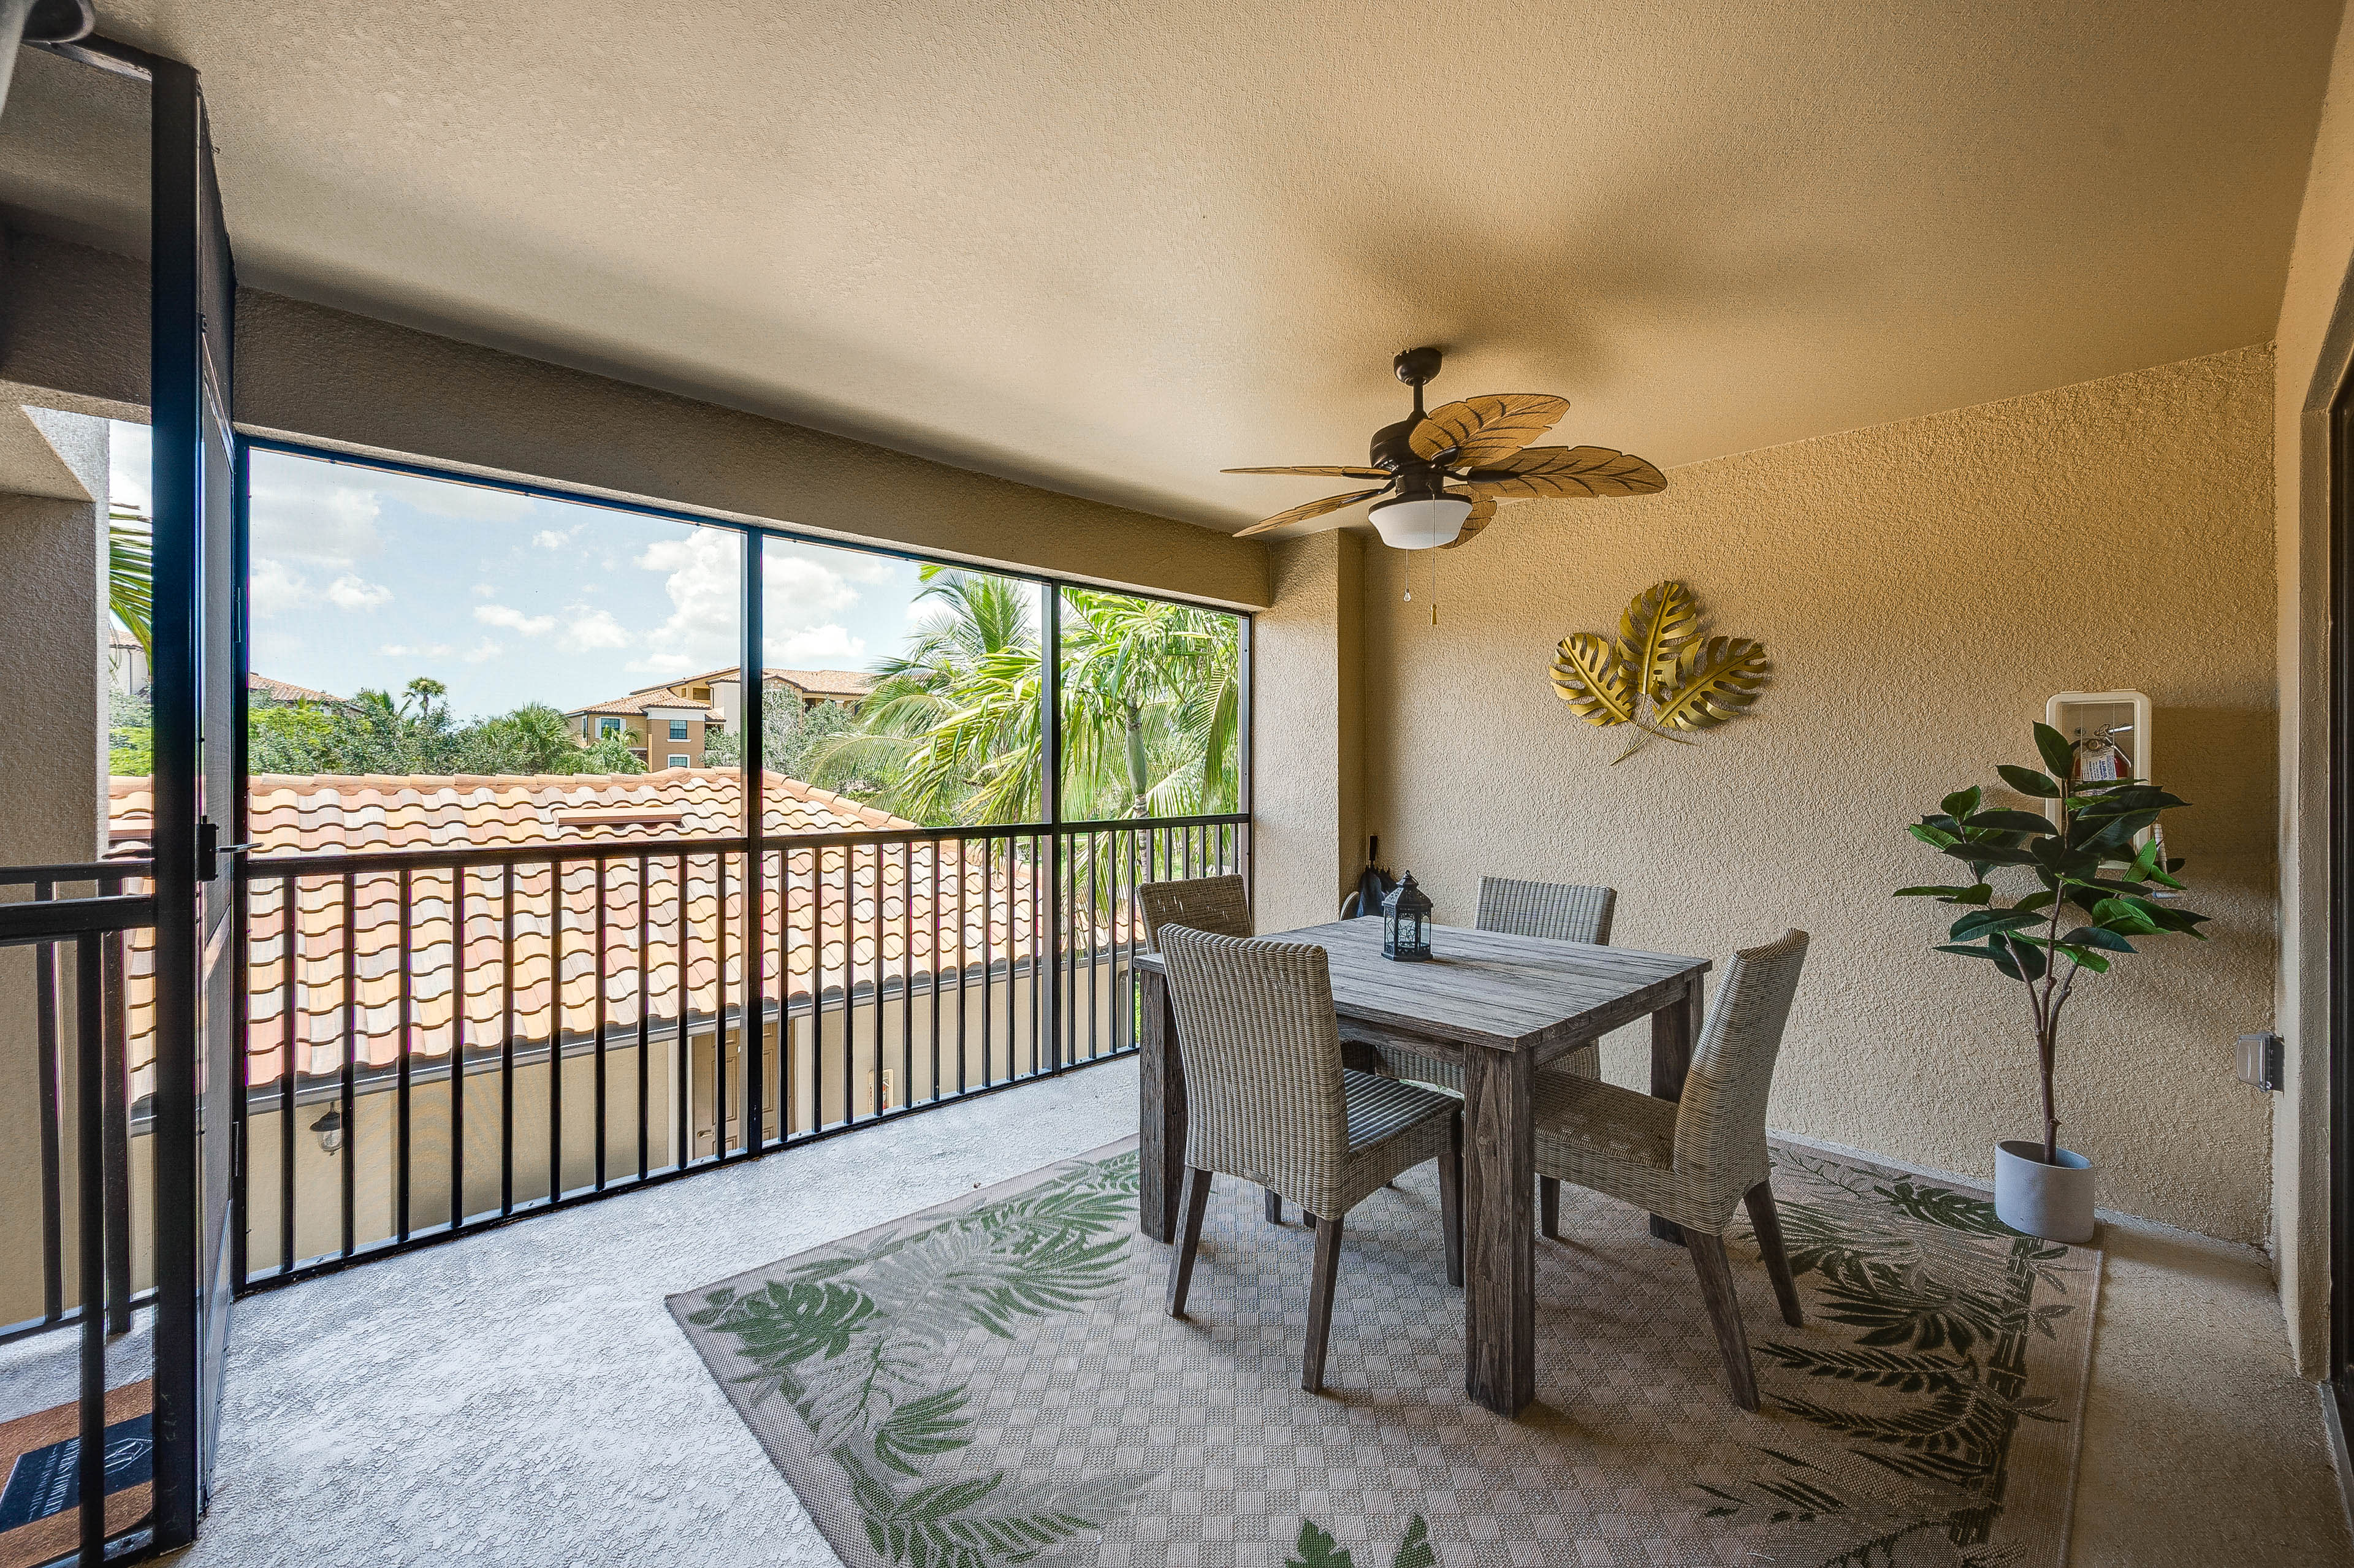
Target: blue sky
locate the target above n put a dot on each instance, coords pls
(368, 579)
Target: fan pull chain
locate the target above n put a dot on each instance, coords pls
(1409, 577)
(1433, 588)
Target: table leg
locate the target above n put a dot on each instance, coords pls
(1160, 1130)
(1675, 1029)
(1500, 1306)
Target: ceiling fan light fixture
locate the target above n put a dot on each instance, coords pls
(1420, 522)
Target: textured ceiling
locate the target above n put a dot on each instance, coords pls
(1111, 247)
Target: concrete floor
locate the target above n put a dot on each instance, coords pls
(522, 1398)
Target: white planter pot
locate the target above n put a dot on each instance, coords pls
(2054, 1202)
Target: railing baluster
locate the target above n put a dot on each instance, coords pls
(817, 993)
(906, 972)
(458, 1022)
(881, 1074)
(288, 898)
(681, 1093)
(348, 1107)
(402, 1045)
(597, 914)
(721, 1057)
(988, 960)
(645, 1011)
(507, 1042)
(49, 1047)
(555, 871)
(90, 1124)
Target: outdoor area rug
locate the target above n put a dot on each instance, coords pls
(995, 1381)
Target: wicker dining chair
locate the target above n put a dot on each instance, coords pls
(1221, 906)
(1270, 1102)
(1693, 1162)
(1556, 911)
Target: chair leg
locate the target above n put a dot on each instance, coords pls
(1188, 1239)
(1274, 1206)
(1450, 1202)
(1549, 1206)
(1767, 1223)
(1715, 1270)
(1319, 1304)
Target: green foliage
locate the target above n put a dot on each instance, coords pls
(378, 732)
(2087, 861)
(130, 736)
(1151, 709)
(130, 575)
(790, 737)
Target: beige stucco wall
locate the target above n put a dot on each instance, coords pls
(1307, 777)
(2316, 321)
(1923, 587)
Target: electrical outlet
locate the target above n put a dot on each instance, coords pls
(2262, 1061)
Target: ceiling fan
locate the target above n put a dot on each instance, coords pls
(1449, 467)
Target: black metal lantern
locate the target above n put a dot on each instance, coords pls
(1406, 922)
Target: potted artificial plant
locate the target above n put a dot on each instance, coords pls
(2088, 895)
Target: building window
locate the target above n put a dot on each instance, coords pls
(678, 730)
(680, 759)
(609, 727)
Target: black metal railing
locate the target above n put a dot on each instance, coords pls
(86, 932)
(437, 1040)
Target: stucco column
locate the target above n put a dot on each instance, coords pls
(53, 754)
(1307, 759)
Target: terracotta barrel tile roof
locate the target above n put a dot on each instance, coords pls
(668, 933)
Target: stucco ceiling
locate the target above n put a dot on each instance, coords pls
(1112, 248)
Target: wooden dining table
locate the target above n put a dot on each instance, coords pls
(1502, 1006)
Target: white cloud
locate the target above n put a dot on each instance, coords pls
(591, 629)
(352, 591)
(309, 511)
(806, 648)
(701, 632)
(484, 590)
(419, 651)
(483, 652)
(278, 588)
(556, 538)
(515, 620)
(448, 498)
(129, 467)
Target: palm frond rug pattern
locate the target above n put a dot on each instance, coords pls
(995, 1381)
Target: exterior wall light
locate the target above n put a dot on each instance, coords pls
(330, 1129)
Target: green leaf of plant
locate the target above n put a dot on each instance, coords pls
(1979, 853)
(1978, 894)
(2028, 781)
(2037, 900)
(1971, 952)
(2008, 820)
(1936, 838)
(2059, 757)
(2097, 936)
(1979, 922)
(1962, 802)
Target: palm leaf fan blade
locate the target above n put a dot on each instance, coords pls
(1590, 676)
(1660, 623)
(1339, 471)
(1566, 472)
(1312, 509)
(1482, 512)
(1714, 681)
(1481, 429)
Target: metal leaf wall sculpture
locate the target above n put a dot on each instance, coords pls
(1660, 674)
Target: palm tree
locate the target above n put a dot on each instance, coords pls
(1152, 703)
(952, 721)
(1151, 706)
(130, 574)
